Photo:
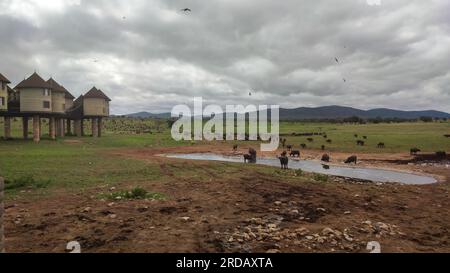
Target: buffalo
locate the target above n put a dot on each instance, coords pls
(310, 139)
(325, 158)
(295, 153)
(381, 145)
(289, 147)
(251, 156)
(284, 161)
(322, 147)
(414, 151)
(329, 140)
(351, 159)
(303, 145)
(360, 142)
(235, 147)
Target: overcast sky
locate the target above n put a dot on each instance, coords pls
(148, 55)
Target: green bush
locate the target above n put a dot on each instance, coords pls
(136, 193)
(321, 177)
(25, 182)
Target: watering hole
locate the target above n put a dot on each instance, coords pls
(376, 175)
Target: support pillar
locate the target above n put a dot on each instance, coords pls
(36, 129)
(7, 127)
(77, 125)
(100, 126)
(82, 127)
(62, 128)
(69, 127)
(25, 127)
(51, 128)
(94, 124)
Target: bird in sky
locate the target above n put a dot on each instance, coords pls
(344, 79)
(250, 94)
(336, 59)
(186, 10)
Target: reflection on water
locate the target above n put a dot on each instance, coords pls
(377, 175)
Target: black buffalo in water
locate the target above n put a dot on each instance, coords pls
(351, 159)
(251, 156)
(325, 167)
(284, 161)
(325, 158)
(295, 153)
(414, 151)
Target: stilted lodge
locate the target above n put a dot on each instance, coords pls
(34, 98)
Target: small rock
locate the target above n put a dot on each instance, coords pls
(273, 251)
(278, 203)
(87, 209)
(321, 210)
(185, 218)
(113, 216)
(111, 204)
(347, 212)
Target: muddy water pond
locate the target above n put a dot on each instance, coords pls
(372, 174)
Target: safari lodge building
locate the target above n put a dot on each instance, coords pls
(36, 99)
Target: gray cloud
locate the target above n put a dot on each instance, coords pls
(394, 55)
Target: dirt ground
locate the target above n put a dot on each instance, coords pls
(247, 212)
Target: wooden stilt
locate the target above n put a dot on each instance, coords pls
(36, 129)
(25, 127)
(94, 124)
(7, 127)
(100, 126)
(51, 128)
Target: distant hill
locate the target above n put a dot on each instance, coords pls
(331, 112)
(148, 115)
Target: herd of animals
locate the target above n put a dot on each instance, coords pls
(250, 157)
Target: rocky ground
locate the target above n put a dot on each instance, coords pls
(243, 211)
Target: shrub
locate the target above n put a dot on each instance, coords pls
(321, 177)
(25, 182)
(136, 193)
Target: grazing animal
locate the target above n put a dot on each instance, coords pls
(325, 158)
(251, 156)
(329, 140)
(289, 147)
(323, 147)
(310, 139)
(365, 137)
(360, 142)
(414, 151)
(284, 161)
(295, 153)
(235, 147)
(303, 145)
(441, 154)
(381, 145)
(326, 167)
(351, 159)
(325, 136)
(447, 135)
(356, 135)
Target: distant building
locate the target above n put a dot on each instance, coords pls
(95, 103)
(35, 95)
(58, 97)
(4, 93)
(36, 98)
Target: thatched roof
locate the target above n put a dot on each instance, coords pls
(55, 86)
(97, 94)
(4, 79)
(34, 81)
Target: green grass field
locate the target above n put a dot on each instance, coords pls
(74, 165)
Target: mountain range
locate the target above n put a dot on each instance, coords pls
(331, 112)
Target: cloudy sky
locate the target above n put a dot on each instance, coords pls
(148, 55)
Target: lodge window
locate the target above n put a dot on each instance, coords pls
(104, 110)
(46, 104)
(46, 92)
(2, 101)
(3, 85)
(64, 106)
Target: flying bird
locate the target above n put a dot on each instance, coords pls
(186, 10)
(345, 80)
(123, 18)
(250, 94)
(336, 59)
